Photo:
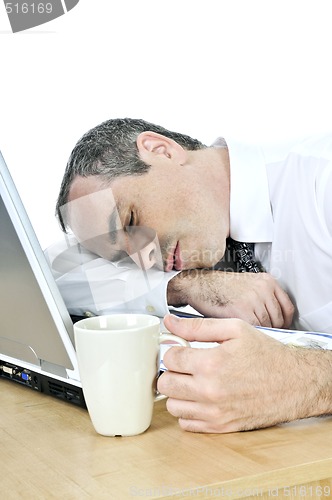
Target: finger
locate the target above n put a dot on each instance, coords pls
(263, 316)
(286, 306)
(181, 359)
(204, 329)
(245, 314)
(271, 313)
(210, 427)
(275, 313)
(188, 410)
(196, 417)
(196, 426)
(251, 318)
(177, 385)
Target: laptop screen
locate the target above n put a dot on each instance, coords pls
(35, 325)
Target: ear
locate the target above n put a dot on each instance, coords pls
(152, 146)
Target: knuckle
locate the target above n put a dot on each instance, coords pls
(167, 358)
(213, 393)
(268, 277)
(211, 363)
(209, 367)
(278, 323)
(197, 324)
(171, 407)
(238, 325)
(291, 309)
(217, 413)
(267, 281)
(163, 383)
(189, 425)
(174, 355)
(253, 321)
(265, 320)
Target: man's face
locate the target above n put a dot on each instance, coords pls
(178, 205)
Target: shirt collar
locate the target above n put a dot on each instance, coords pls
(250, 209)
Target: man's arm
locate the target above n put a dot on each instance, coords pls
(255, 298)
(250, 381)
(91, 284)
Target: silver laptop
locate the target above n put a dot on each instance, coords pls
(36, 331)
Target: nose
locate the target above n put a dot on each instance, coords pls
(144, 247)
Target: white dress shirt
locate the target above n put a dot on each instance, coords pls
(92, 285)
(281, 200)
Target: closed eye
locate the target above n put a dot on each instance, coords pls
(131, 222)
(131, 219)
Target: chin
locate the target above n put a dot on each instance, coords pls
(196, 265)
(211, 262)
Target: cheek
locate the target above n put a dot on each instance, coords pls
(156, 213)
(168, 210)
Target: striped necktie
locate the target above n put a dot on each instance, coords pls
(242, 255)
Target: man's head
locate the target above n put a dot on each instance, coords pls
(128, 173)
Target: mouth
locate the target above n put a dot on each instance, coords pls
(174, 261)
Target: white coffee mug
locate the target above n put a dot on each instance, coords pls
(118, 361)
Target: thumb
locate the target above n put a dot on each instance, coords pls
(205, 329)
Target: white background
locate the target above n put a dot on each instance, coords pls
(260, 69)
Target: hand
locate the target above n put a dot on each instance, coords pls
(255, 298)
(250, 381)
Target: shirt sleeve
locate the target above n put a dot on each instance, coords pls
(90, 284)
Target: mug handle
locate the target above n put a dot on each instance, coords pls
(172, 338)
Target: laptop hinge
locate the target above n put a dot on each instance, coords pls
(48, 367)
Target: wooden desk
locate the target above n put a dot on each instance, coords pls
(49, 450)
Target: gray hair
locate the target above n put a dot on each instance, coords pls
(110, 150)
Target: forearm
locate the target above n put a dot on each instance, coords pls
(255, 298)
(195, 287)
(312, 381)
(177, 290)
